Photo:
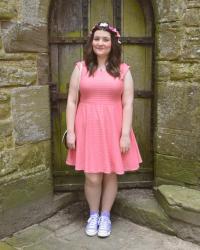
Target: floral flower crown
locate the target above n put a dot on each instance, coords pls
(107, 27)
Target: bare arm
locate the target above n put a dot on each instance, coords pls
(72, 106)
(127, 102)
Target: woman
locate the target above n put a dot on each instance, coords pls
(100, 138)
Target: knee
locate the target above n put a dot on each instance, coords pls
(93, 179)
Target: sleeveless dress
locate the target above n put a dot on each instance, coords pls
(98, 125)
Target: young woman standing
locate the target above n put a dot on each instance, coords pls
(99, 112)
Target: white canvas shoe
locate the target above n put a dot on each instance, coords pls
(91, 228)
(104, 229)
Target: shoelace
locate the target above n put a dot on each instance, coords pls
(92, 221)
(104, 223)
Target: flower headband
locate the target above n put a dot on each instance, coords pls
(107, 27)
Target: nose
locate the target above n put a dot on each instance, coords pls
(100, 42)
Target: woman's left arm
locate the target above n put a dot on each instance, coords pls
(127, 103)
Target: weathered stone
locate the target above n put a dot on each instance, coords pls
(0, 42)
(13, 73)
(23, 37)
(31, 114)
(158, 181)
(183, 71)
(26, 237)
(24, 158)
(187, 231)
(169, 42)
(43, 68)
(179, 145)
(4, 246)
(180, 203)
(28, 193)
(6, 143)
(18, 57)
(35, 12)
(191, 17)
(5, 128)
(193, 4)
(177, 169)
(4, 110)
(191, 47)
(162, 71)
(25, 190)
(178, 106)
(8, 9)
(140, 206)
(4, 96)
(169, 10)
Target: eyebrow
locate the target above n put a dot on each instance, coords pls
(101, 36)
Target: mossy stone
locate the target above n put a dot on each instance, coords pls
(180, 202)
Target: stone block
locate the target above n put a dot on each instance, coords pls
(187, 232)
(25, 201)
(177, 169)
(178, 107)
(176, 144)
(43, 69)
(26, 190)
(4, 110)
(193, 4)
(24, 37)
(14, 73)
(1, 44)
(4, 246)
(27, 236)
(180, 203)
(191, 44)
(4, 96)
(8, 9)
(169, 10)
(5, 128)
(169, 42)
(24, 160)
(140, 206)
(35, 12)
(162, 71)
(6, 143)
(31, 114)
(184, 71)
(191, 17)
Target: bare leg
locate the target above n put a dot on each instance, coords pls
(93, 183)
(109, 191)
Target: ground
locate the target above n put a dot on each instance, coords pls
(65, 230)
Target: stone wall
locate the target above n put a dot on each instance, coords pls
(26, 190)
(177, 90)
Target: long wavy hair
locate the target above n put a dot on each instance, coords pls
(114, 58)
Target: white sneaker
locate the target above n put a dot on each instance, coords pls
(104, 226)
(91, 228)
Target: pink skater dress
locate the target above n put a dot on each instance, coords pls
(98, 125)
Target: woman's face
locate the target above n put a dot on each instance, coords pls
(101, 43)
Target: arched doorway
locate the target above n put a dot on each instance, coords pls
(69, 24)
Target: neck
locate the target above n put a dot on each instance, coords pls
(101, 61)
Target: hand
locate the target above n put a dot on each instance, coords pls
(71, 138)
(125, 143)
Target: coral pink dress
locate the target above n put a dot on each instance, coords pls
(98, 125)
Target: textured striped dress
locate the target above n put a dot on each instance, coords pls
(98, 125)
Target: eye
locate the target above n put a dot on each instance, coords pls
(96, 38)
(106, 39)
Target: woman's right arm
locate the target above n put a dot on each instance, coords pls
(72, 106)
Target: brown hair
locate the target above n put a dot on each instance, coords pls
(114, 58)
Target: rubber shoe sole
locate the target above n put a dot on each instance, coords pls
(90, 233)
(103, 234)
